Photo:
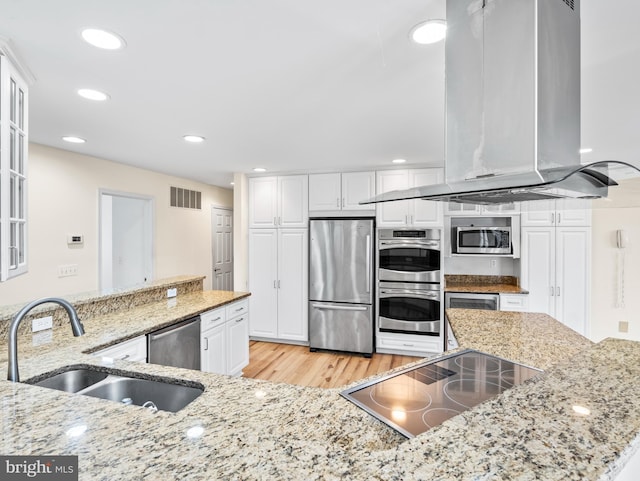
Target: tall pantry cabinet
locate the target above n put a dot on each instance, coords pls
(556, 261)
(278, 257)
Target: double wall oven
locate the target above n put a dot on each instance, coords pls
(409, 281)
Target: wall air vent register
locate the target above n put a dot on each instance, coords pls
(185, 198)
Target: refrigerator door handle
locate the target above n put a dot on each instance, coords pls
(368, 253)
(339, 308)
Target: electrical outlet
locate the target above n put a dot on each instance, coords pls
(68, 270)
(494, 264)
(42, 323)
(172, 292)
(623, 326)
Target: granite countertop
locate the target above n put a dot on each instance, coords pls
(516, 335)
(260, 430)
(483, 284)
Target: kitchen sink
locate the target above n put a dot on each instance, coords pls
(163, 394)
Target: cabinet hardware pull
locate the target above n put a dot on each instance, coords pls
(558, 291)
(278, 284)
(343, 203)
(275, 221)
(239, 320)
(552, 291)
(125, 357)
(240, 309)
(559, 221)
(553, 218)
(408, 345)
(206, 339)
(274, 285)
(338, 202)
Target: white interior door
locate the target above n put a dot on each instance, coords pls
(222, 221)
(126, 240)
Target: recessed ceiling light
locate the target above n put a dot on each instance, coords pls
(232, 183)
(193, 138)
(259, 169)
(586, 150)
(73, 140)
(399, 161)
(103, 39)
(428, 32)
(92, 94)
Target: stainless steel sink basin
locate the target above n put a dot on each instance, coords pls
(73, 380)
(165, 394)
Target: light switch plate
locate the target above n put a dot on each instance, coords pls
(42, 323)
(172, 292)
(623, 326)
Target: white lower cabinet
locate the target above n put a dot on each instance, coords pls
(278, 281)
(224, 339)
(556, 270)
(514, 302)
(132, 350)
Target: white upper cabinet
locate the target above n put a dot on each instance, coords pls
(278, 201)
(14, 143)
(334, 192)
(401, 213)
(560, 213)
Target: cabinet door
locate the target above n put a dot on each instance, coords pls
(293, 281)
(263, 277)
(293, 201)
(213, 350)
(425, 213)
(238, 344)
(573, 213)
(573, 277)
(263, 202)
(358, 186)
(324, 192)
(391, 214)
(539, 213)
(538, 268)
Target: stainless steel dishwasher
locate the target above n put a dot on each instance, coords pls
(177, 345)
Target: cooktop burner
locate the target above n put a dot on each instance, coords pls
(416, 399)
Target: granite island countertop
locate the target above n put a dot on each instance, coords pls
(260, 430)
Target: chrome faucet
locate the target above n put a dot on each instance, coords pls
(76, 326)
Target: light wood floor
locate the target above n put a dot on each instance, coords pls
(297, 365)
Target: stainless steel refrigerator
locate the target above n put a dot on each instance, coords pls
(341, 290)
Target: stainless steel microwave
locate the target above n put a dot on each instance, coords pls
(483, 240)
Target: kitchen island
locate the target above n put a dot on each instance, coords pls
(250, 429)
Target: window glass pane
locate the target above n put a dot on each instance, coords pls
(12, 246)
(12, 148)
(12, 197)
(12, 106)
(20, 154)
(21, 198)
(21, 109)
(21, 243)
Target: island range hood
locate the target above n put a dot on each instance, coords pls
(512, 72)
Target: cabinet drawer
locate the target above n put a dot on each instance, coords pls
(408, 344)
(131, 350)
(211, 319)
(514, 302)
(237, 308)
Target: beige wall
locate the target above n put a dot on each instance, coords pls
(620, 212)
(63, 199)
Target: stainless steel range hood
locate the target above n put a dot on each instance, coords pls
(513, 107)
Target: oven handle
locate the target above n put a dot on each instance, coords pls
(382, 245)
(384, 293)
(333, 307)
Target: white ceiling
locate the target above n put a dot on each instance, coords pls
(289, 85)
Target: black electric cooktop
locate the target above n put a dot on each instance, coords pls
(416, 399)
